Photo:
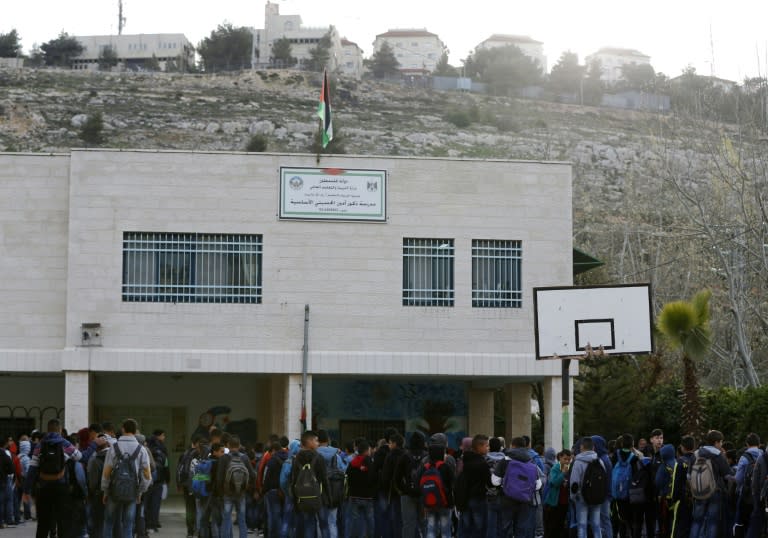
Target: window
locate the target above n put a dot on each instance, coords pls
(496, 280)
(428, 272)
(191, 268)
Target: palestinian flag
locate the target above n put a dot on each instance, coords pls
(324, 111)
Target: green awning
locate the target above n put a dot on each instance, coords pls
(583, 262)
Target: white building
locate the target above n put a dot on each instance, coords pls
(530, 47)
(613, 59)
(416, 50)
(351, 63)
(171, 287)
(135, 51)
(302, 39)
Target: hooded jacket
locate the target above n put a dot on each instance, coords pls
(556, 479)
(285, 470)
(744, 462)
(666, 470)
(601, 449)
(70, 452)
(477, 475)
(361, 478)
(408, 464)
(719, 464)
(580, 463)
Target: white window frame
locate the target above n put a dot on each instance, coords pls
(163, 267)
(497, 280)
(428, 272)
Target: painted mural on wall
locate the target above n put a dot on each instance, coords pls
(218, 417)
(426, 407)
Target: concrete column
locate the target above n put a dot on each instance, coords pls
(553, 413)
(77, 400)
(480, 412)
(291, 425)
(517, 410)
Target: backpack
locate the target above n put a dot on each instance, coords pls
(201, 478)
(337, 482)
(236, 477)
(271, 478)
(594, 483)
(621, 478)
(701, 478)
(307, 490)
(95, 470)
(124, 480)
(640, 483)
(410, 478)
(519, 482)
(432, 488)
(749, 471)
(51, 461)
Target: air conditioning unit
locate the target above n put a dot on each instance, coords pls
(90, 334)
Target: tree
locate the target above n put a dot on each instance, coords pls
(281, 53)
(567, 75)
(108, 58)
(10, 44)
(153, 64)
(257, 144)
(444, 69)
(91, 131)
(593, 88)
(504, 69)
(383, 63)
(226, 49)
(61, 51)
(638, 77)
(685, 325)
(320, 54)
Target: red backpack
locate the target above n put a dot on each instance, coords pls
(433, 495)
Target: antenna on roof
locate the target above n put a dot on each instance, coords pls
(120, 18)
(712, 52)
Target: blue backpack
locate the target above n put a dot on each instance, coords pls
(621, 478)
(519, 482)
(201, 480)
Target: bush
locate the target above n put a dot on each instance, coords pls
(257, 144)
(459, 118)
(91, 131)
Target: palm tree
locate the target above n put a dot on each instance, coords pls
(685, 325)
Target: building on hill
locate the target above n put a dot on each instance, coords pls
(613, 59)
(723, 84)
(416, 50)
(137, 51)
(302, 39)
(351, 63)
(531, 48)
(181, 288)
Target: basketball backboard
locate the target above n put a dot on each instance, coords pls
(570, 320)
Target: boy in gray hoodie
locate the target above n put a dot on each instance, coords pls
(584, 511)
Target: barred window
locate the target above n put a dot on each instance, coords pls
(496, 274)
(428, 272)
(191, 268)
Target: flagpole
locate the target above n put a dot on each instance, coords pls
(320, 141)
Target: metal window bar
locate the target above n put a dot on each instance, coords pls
(428, 278)
(496, 273)
(191, 268)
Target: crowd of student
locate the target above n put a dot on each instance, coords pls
(109, 485)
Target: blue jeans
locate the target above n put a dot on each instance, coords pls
(472, 523)
(288, 526)
(586, 512)
(517, 519)
(125, 513)
(706, 518)
(307, 525)
(382, 514)
(10, 517)
(438, 523)
(493, 522)
(328, 522)
(358, 518)
(410, 510)
(274, 507)
(605, 519)
(226, 516)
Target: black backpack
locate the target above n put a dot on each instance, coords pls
(749, 471)
(639, 486)
(124, 480)
(271, 479)
(594, 483)
(307, 489)
(95, 470)
(51, 461)
(337, 482)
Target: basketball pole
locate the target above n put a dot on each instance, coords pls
(566, 399)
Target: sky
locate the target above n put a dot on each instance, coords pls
(725, 39)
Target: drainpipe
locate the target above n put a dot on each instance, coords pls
(304, 368)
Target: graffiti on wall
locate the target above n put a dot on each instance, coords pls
(425, 407)
(218, 417)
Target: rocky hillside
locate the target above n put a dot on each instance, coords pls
(615, 152)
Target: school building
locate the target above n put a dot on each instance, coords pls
(186, 289)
